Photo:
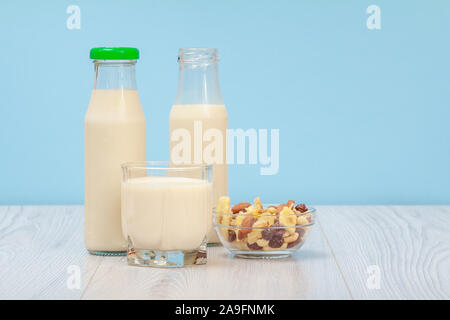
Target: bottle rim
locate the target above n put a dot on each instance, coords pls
(113, 62)
(198, 56)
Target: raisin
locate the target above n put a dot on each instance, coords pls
(301, 207)
(254, 246)
(277, 229)
(267, 234)
(276, 241)
(231, 235)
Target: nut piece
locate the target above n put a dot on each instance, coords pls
(290, 204)
(240, 207)
(246, 223)
(301, 207)
(280, 207)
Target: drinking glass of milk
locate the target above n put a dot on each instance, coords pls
(164, 213)
(199, 120)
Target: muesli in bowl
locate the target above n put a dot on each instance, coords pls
(252, 231)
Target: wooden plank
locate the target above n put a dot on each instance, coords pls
(38, 246)
(409, 245)
(310, 274)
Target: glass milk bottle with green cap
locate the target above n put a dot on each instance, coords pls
(199, 120)
(114, 134)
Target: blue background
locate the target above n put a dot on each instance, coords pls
(363, 114)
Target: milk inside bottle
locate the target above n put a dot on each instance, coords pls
(199, 120)
(114, 134)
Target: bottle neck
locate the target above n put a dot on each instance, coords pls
(114, 74)
(198, 81)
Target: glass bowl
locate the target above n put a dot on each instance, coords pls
(263, 235)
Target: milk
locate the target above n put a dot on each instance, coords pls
(166, 213)
(114, 134)
(211, 116)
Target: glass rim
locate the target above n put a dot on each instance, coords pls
(197, 49)
(311, 211)
(218, 225)
(163, 165)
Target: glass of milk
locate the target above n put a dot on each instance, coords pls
(165, 212)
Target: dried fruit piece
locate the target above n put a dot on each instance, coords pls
(301, 207)
(223, 205)
(294, 243)
(254, 246)
(226, 219)
(287, 218)
(231, 235)
(301, 220)
(240, 207)
(250, 210)
(262, 242)
(267, 234)
(271, 210)
(258, 205)
(264, 221)
(254, 236)
(291, 238)
(276, 241)
(246, 223)
(277, 230)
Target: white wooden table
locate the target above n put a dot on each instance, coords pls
(353, 252)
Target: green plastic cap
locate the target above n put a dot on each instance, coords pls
(114, 53)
